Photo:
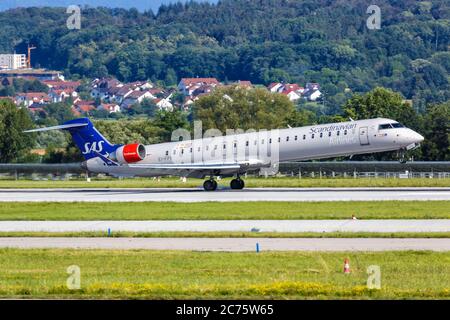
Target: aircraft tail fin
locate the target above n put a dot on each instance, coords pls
(90, 141)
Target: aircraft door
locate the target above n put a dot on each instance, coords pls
(364, 136)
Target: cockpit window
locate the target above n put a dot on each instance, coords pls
(390, 126)
(384, 126)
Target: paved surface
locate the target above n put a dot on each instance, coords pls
(251, 194)
(231, 244)
(437, 225)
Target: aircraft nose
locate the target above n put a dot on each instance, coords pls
(418, 138)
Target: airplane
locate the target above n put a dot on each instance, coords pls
(233, 155)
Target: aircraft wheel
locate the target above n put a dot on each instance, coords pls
(210, 185)
(237, 184)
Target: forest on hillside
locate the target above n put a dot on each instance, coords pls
(325, 41)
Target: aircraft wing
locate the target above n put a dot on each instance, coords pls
(192, 166)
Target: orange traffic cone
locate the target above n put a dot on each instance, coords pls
(346, 266)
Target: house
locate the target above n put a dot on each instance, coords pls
(59, 95)
(83, 106)
(110, 107)
(141, 85)
(188, 85)
(156, 92)
(312, 86)
(101, 87)
(121, 94)
(292, 95)
(61, 85)
(29, 98)
(136, 97)
(164, 103)
(312, 95)
(37, 108)
(201, 89)
(275, 87)
(292, 90)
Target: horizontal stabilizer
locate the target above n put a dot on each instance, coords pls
(61, 127)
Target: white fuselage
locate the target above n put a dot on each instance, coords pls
(263, 148)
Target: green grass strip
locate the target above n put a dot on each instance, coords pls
(249, 182)
(225, 211)
(184, 234)
(144, 274)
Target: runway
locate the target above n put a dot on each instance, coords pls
(322, 226)
(231, 244)
(224, 195)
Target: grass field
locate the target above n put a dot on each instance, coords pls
(249, 182)
(187, 234)
(225, 211)
(175, 274)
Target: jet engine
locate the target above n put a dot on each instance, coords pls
(129, 153)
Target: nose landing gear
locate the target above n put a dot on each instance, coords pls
(402, 156)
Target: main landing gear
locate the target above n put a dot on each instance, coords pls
(211, 184)
(237, 184)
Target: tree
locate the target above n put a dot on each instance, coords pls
(13, 121)
(383, 103)
(169, 121)
(60, 112)
(436, 130)
(236, 107)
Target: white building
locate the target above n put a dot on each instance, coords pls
(13, 61)
(164, 104)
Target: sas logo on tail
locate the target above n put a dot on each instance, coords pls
(94, 146)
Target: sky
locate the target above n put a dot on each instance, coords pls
(141, 5)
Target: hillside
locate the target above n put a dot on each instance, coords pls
(141, 5)
(323, 41)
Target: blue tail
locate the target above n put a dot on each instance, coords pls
(88, 139)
